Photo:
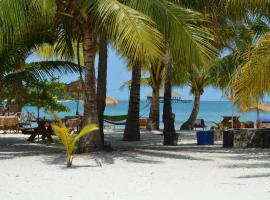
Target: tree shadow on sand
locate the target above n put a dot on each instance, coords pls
(260, 175)
(13, 147)
(147, 151)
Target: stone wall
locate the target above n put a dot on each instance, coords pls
(252, 138)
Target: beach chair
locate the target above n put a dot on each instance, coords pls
(142, 122)
(199, 123)
(26, 121)
(11, 123)
(263, 123)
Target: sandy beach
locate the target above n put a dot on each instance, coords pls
(134, 170)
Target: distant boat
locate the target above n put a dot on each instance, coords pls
(176, 98)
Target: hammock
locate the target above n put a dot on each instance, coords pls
(115, 120)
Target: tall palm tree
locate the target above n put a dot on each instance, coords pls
(102, 82)
(185, 38)
(132, 131)
(156, 79)
(197, 78)
(132, 33)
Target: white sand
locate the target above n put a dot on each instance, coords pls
(135, 170)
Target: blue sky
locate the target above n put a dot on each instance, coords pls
(118, 74)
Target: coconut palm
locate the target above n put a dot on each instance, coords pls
(15, 70)
(102, 81)
(197, 79)
(155, 81)
(185, 39)
(131, 32)
(250, 84)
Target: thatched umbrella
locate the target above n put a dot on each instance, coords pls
(260, 106)
(111, 102)
(76, 87)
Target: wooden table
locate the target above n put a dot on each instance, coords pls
(44, 129)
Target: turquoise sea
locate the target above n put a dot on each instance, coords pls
(210, 111)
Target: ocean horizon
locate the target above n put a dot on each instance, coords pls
(211, 111)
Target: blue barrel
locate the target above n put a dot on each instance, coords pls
(205, 137)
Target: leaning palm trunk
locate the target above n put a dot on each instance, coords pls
(189, 124)
(132, 129)
(102, 82)
(169, 130)
(153, 122)
(90, 141)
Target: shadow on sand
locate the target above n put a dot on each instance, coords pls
(147, 151)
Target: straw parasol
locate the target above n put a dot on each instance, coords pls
(111, 102)
(76, 87)
(260, 106)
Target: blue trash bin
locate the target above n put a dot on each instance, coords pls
(205, 137)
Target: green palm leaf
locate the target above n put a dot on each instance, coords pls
(87, 129)
(132, 33)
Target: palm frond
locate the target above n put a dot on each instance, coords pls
(252, 78)
(132, 33)
(43, 69)
(20, 18)
(189, 41)
(87, 129)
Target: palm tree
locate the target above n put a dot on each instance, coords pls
(185, 38)
(131, 32)
(16, 71)
(197, 78)
(250, 84)
(102, 82)
(132, 131)
(156, 80)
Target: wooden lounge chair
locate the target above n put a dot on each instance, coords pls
(11, 123)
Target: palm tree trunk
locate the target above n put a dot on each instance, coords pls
(19, 88)
(188, 125)
(102, 82)
(132, 129)
(153, 122)
(168, 120)
(92, 140)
